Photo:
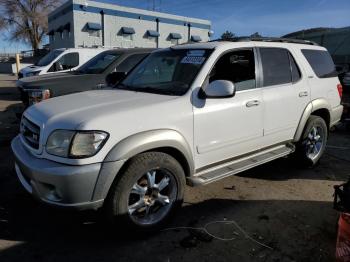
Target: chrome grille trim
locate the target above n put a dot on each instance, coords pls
(30, 133)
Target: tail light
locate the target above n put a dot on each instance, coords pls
(36, 96)
(340, 90)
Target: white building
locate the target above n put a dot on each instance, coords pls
(88, 23)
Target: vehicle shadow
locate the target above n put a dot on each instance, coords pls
(9, 123)
(288, 231)
(296, 230)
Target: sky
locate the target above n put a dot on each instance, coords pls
(244, 17)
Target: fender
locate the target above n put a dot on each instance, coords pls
(314, 105)
(149, 140)
(136, 144)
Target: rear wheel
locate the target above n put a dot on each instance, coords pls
(313, 141)
(149, 189)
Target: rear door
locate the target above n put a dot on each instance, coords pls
(285, 93)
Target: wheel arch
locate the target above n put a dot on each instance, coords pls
(319, 107)
(161, 140)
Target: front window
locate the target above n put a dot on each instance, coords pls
(66, 62)
(169, 72)
(46, 60)
(98, 64)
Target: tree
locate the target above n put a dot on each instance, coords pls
(26, 20)
(256, 35)
(227, 35)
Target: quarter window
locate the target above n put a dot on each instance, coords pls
(321, 62)
(237, 67)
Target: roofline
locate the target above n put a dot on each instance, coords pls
(267, 39)
(129, 12)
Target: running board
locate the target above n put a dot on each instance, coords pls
(239, 165)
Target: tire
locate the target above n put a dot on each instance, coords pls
(313, 141)
(147, 192)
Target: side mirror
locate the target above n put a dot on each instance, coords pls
(114, 78)
(220, 89)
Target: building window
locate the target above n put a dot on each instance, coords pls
(128, 37)
(174, 41)
(127, 33)
(152, 36)
(93, 29)
(174, 38)
(94, 33)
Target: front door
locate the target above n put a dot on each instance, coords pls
(228, 127)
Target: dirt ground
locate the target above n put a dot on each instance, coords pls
(288, 210)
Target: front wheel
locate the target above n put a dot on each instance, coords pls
(146, 193)
(313, 141)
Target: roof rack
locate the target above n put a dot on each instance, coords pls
(267, 39)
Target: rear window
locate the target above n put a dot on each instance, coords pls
(321, 62)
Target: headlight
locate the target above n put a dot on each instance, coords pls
(87, 143)
(75, 144)
(59, 142)
(33, 73)
(36, 96)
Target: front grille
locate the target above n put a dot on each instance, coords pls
(30, 133)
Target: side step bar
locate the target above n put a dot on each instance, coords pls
(239, 165)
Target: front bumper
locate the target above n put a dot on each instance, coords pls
(55, 183)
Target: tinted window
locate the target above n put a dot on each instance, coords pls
(276, 66)
(321, 62)
(296, 75)
(130, 62)
(99, 63)
(237, 67)
(66, 62)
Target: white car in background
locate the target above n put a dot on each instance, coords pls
(60, 60)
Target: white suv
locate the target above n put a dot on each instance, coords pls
(192, 113)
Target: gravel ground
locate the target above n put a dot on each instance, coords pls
(276, 212)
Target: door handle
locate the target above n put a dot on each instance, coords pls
(100, 86)
(252, 103)
(301, 94)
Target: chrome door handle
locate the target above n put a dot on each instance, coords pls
(252, 103)
(301, 94)
(100, 86)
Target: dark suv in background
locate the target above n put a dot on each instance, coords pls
(103, 70)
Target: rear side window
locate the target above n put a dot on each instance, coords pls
(279, 67)
(321, 62)
(276, 66)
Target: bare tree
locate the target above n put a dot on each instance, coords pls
(26, 20)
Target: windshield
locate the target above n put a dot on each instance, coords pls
(168, 72)
(46, 60)
(98, 64)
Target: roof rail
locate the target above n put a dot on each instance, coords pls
(267, 39)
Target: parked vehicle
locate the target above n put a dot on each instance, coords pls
(92, 75)
(346, 98)
(60, 60)
(192, 113)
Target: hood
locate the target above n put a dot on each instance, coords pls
(85, 110)
(32, 68)
(50, 80)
